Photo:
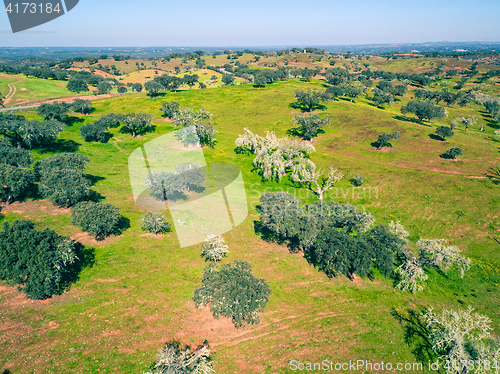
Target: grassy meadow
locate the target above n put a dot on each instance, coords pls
(137, 294)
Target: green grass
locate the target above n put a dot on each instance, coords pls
(40, 88)
(138, 293)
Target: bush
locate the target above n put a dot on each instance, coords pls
(452, 153)
(64, 187)
(169, 108)
(98, 219)
(122, 90)
(82, 106)
(71, 161)
(14, 156)
(232, 291)
(444, 132)
(385, 139)
(95, 132)
(358, 180)
(39, 261)
(154, 222)
(15, 182)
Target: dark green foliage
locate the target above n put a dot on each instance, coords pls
(169, 108)
(15, 182)
(452, 153)
(335, 91)
(228, 79)
(98, 219)
(310, 98)
(137, 87)
(31, 133)
(423, 110)
(56, 111)
(77, 85)
(39, 261)
(353, 91)
(95, 132)
(309, 125)
(104, 88)
(382, 97)
(112, 120)
(280, 215)
(153, 88)
(64, 161)
(444, 132)
(14, 156)
(190, 79)
(384, 140)
(82, 106)
(154, 222)
(232, 291)
(336, 252)
(260, 80)
(137, 124)
(64, 187)
(122, 89)
(358, 180)
(383, 246)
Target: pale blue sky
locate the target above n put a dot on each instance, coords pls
(262, 23)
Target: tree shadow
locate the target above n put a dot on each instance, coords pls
(93, 178)
(123, 224)
(60, 145)
(416, 334)
(71, 120)
(436, 137)
(303, 108)
(266, 234)
(409, 119)
(145, 130)
(241, 151)
(85, 259)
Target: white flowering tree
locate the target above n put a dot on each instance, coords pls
(201, 119)
(175, 359)
(274, 156)
(411, 276)
(214, 248)
(312, 178)
(462, 339)
(434, 253)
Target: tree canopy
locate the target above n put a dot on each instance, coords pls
(310, 98)
(423, 110)
(232, 291)
(98, 219)
(40, 262)
(309, 125)
(30, 133)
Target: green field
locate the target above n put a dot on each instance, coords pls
(138, 293)
(33, 88)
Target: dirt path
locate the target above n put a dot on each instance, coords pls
(12, 88)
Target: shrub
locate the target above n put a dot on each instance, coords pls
(39, 261)
(122, 90)
(169, 108)
(358, 180)
(214, 248)
(64, 187)
(95, 132)
(232, 291)
(444, 132)
(385, 139)
(14, 182)
(14, 156)
(452, 153)
(308, 125)
(71, 161)
(98, 219)
(154, 222)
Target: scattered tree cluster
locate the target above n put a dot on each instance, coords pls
(201, 119)
(423, 110)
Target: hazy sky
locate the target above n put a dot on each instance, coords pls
(262, 23)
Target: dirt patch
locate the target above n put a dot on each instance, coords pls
(156, 236)
(165, 119)
(86, 239)
(43, 206)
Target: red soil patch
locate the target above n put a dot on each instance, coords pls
(42, 206)
(86, 239)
